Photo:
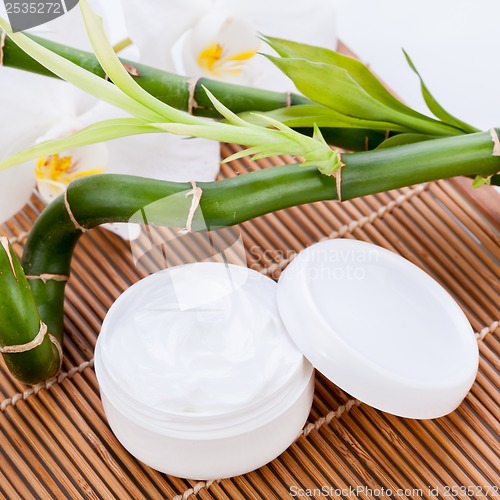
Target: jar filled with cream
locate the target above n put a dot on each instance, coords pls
(202, 370)
(198, 376)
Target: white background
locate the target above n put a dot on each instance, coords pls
(455, 44)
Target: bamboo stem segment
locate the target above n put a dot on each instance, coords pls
(29, 350)
(173, 89)
(28, 346)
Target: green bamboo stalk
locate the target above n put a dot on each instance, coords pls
(175, 90)
(21, 323)
(168, 87)
(116, 198)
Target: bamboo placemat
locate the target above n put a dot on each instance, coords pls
(55, 442)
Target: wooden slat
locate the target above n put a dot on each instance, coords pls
(55, 442)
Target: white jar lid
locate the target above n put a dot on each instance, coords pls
(379, 327)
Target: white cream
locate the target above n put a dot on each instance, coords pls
(200, 339)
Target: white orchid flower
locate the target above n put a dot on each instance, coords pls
(36, 109)
(219, 38)
(53, 173)
(219, 46)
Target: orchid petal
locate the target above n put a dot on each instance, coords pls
(16, 186)
(35, 99)
(235, 34)
(30, 106)
(220, 46)
(41, 102)
(155, 25)
(312, 22)
(79, 77)
(165, 157)
(116, 71)
(50, 190)
(55, 171)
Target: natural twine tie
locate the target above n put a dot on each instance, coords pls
(37, 341)
(71, 215)
(196, 193)
(15, 349)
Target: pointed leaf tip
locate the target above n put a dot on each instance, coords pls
(4, 242)
(435, 108)
(480, 181)
(225, 111)
(317, 135)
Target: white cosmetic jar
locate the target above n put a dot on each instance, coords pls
(225, 391)
(198, 376)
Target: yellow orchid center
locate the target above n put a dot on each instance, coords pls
(61, 169)
(214, 59)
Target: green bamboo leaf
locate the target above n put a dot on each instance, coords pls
(255, 150)
(306, 115)
(276, 124)
(480, 181)
(356, 69)
(329, 85)
(317, 134)
(335, 88)
(231, 117)
(79, 77)
(98, 132)
(404, 139)
(359, 74)
(220, 132)
(437, 110)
